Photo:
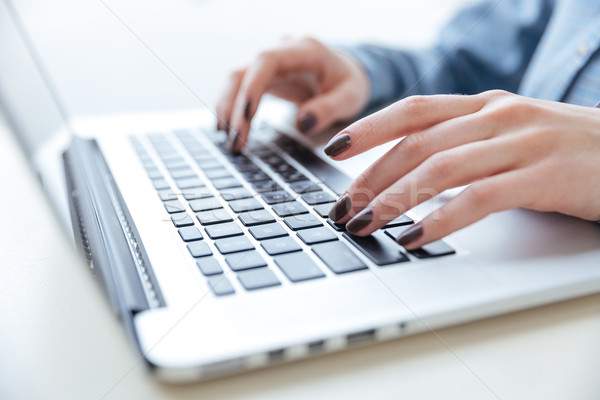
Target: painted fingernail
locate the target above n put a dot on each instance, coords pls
(338, 145)
(410, 235)
(360, 220)
(219, 125)
(306, 122)
(247, 110)
(340, 208)
(234, 140)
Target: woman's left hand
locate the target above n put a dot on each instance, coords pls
(513, 151)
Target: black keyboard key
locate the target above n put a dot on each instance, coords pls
(283, 167)
(214, 217)
(256, 176)
(167, 194)
(280, 246)
(337, 227)
(220, 285)
(244, 205)
(209, 266)
(291, 208)
(313, 198)
(292, 176)
(160, 184)
(256, 217)
(188, 183)
(434, 249)
(268, 231)
(247, 167)
(304, 187)
(302, 221)
(279, 196)
(298, 267)
(226, 229)
(181, 219)
(217, 173)
(338, 257)
(199, 248)
(273, 159)
(400, 221)
(322, 210)
(235, 193)
(266, 186)
(258, 279)
(316, 235)
(197, 193)
(233, 244)
(226, 183)
(378, 247)
(246, 260)
(183, 173)
(190, 233)
(205, 204)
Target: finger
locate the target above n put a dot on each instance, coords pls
(402, 118)
(448, 169)
(406, 155)
(257, 80)
(324, 110)
(227, 100)
(497, 193)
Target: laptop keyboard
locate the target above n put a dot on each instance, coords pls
(270, 201)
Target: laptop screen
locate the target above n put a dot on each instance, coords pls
(25, 99)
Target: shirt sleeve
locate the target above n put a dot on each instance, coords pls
(485, 46)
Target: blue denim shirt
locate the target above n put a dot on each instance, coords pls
(547, 49)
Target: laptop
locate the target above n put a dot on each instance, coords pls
(219, 263)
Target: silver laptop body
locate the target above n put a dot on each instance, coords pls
(109, 177)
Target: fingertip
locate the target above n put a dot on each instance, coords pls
(412, 237)
(306, 122)
(338, 145)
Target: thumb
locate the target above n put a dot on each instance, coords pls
(341, 103)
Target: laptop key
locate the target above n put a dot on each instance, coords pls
(226, 183)
(173, 206)
(400, 221)
(255, 176)
(181, 219)
(268, 231)
(292, 176)
(257, 217)
(208, 163)
(154, 173)
(235, 194)
(258, 278)
(188, 183)
(199, 248)
(378, 247)
(438, 248)
(244, 205)
(160, 184)
(167, 194)
(279, 196)
(316, 235)
(266, 186)
(337, 227)
(322, 210)
(190, 233)
(209, 266)
(246, 260)
(304, 187)
(213, 217)
(197, 193)
(183, 173)
(298, 267)
(338, 257)
(303, 221)
(233, 244)
(280, 246)
(205, 204)
(313, 198)
(291, 208)
(226, 229)
(220, 285)
(217, 173)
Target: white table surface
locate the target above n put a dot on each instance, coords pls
(59, 340)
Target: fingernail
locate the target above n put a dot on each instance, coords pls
(410, 235)
(234, 139)
(247, 110)
(338, 145)
(340, 208)
(219, 125)
(360, 220)
(306, 122)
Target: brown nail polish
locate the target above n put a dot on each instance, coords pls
(247, 110)
(340, 208)
(338, 145)
(234, 139)
(306, 122)
(410, 235)
(360, 220)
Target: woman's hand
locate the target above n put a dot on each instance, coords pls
(329, 87)
(514, 151)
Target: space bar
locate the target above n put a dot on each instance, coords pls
(335, 179)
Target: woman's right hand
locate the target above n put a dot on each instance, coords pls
(328, 86)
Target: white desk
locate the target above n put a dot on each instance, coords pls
(58, 338)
